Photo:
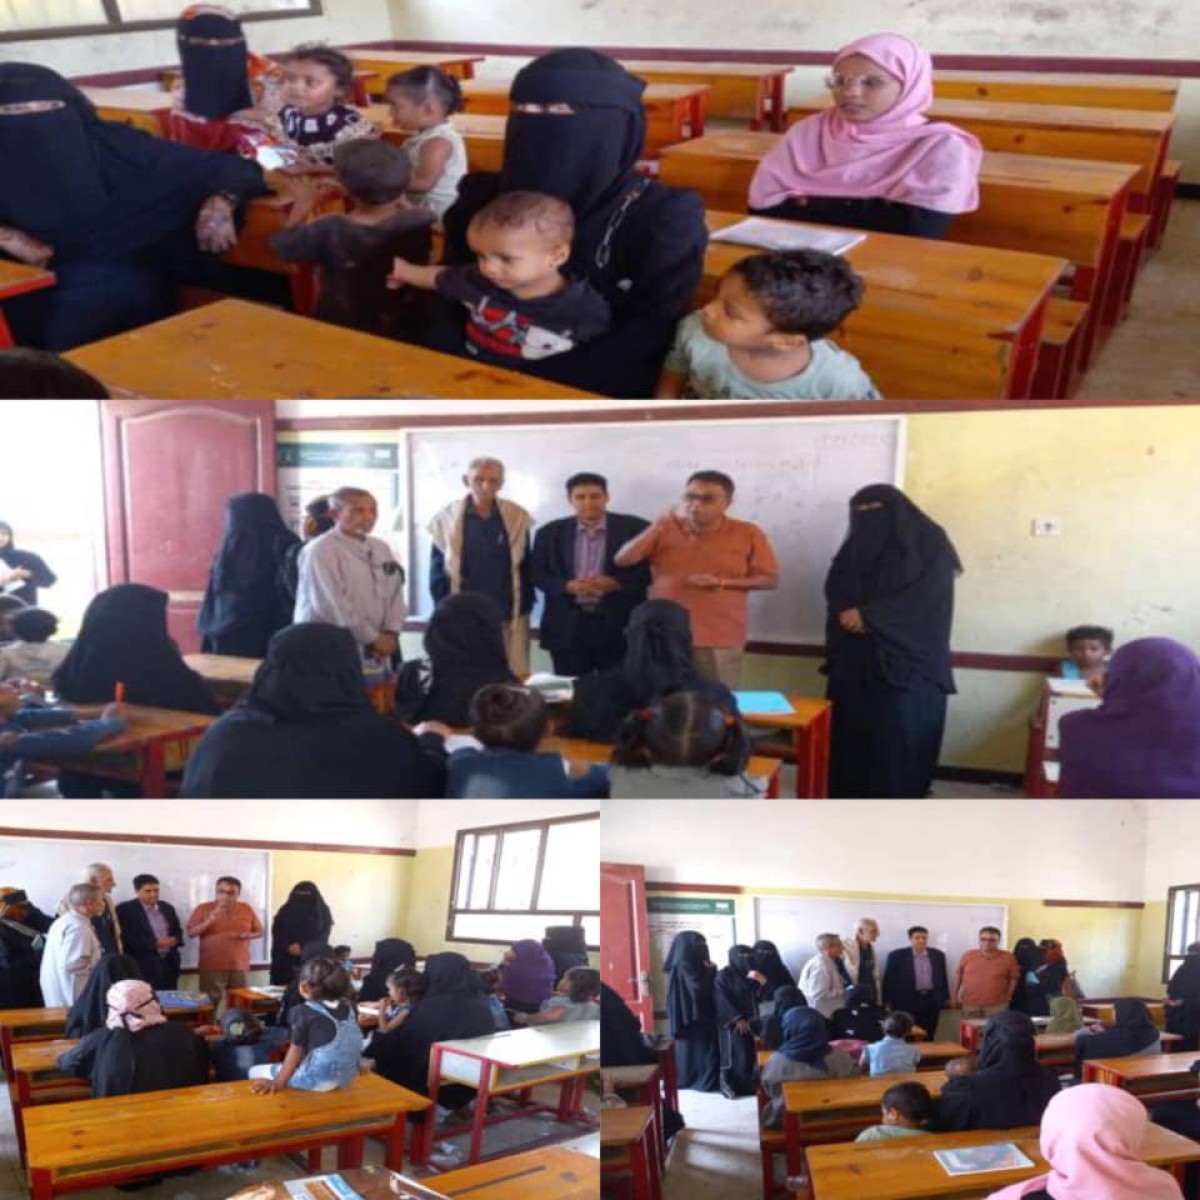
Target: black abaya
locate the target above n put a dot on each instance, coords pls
(155, 1059)
(735, 1000)
(304, 917)
(889, 683)
(40, 575)
(390, 955)
(1133, 1032)
(691, 1012)
(21, 959)
(768, 962)
(1184, 1017)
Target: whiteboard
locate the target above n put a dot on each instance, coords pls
(793, 477)
(47, 867)
(793, 923)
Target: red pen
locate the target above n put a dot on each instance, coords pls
(119, 693)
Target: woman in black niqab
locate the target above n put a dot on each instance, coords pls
(212, 57)
(117, 214)
(736, 1001)
(246, 601)
(1028, 996)
(890, 594)
(390, 955)
(303, 917)
(638, 242)
(1132, 1032)
(1183, 1000)
(306, 729)
(1010, 1087)
(769, 962)
(40, 575)
(691, 1012)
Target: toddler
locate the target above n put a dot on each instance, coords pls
(314, 117)
(519, 303)
(577, 998)
(32, 655)
(1089, 648)
(907, 1109)
(423, 99)
(404, 988)
(763, 336)
(893, 1055)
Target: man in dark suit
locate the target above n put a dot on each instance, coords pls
(152, 934)
(588, 597)
(915, 980)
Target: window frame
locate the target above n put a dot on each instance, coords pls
(573, 916)
(1168, 957)
(115, 23)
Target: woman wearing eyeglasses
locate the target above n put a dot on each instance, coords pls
(872, 160)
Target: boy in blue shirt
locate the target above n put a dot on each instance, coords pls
(893, 1055)
(33, 731)
(1089, 647)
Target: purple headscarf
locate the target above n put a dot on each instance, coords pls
(529, 978)
(1143, 742)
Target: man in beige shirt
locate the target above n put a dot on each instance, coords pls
(986, 978)
(225, 928)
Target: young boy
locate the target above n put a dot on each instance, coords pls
(762, 337)
(577, 998)
(1089, 648)
(32, 732)
(520, 304)
(353, 250)
(893, 1055)
(32, 655)
(907, 1108)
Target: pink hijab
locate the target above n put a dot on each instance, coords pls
(1091, 1135)
(898, 155)
(133, 1005)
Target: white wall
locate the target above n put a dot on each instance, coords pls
(1002, 848)
(1172, 836)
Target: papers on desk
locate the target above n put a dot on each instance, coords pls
(976, 1160)
(321, 1187)
(554, 689)
(180, 1000)
(1069, 687)
(762, 703)
(786, 235)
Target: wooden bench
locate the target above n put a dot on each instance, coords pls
(1057, 373)
(1148, 92)
(1168, 183)
(95, 1143)
(550, 1173)
(234, 349)
(15, 280)
(745, 91)
(1065, 208)
(642, 1084)
(626, 1145)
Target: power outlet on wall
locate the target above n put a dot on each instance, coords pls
(1046, 527)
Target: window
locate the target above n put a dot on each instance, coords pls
(1183, 925)
(22, 20)
(511, 881)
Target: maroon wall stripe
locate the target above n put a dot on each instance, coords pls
(171, 839)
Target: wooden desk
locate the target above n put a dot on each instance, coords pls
(155, 742)
(1147, 92)
(230, 677)
(37, 1079)
(482, 134)
(833, 1110)
(1146, 1074)
(746, 91)
(15, 280)
(760, 767)
(907, 1170)
(1062, 207)
(237, 350)
(383, 64)
(1059, 697)
(503, 1064)
(93, 1143)
(143, 108)
(674, 111)
(809, 723)
(1106, 1011)
(628, 1132)
(257, 1000)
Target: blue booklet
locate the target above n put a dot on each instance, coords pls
(763, 703)
(180, 1000)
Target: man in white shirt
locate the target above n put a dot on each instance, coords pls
(351, 579)
(72, 948)
(862, 961)
(821, 981)
(107, 923)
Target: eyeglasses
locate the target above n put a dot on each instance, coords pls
(870, 83)
(226, 891)
(702, 498)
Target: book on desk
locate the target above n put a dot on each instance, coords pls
(334, 1187)
(978, 1160)
(766, 234)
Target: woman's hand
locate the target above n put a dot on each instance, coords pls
(215, 228)
(851, 620)
(30, 250)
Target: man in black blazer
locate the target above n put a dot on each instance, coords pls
(924, 998)
(588, 597)
(157, 952)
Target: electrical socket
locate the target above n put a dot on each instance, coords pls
(1046, 527)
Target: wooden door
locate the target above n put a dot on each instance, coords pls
(625, 938)
(169, 467)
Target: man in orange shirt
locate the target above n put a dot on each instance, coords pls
(225, 928)
(708, 562)
(986, 978)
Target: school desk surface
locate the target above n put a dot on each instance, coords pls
(1143, 1074)
(237, 350)
(746, 91)
(1153, 93)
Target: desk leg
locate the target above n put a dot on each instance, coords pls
(644, 1180)
(760, 105)
(154, 771)
(41, 1184)
(670, 1082)
(23, 1099)
(393, 1144)
(422, 1146)
(350, 1153)
(795, 1152)
(312, 1160)
(566, 1099)
(480, 1117)
(810, 746)
(778, 112)
(6, 338)
(6, 1041)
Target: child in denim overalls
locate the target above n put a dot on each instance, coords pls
(326, 1044)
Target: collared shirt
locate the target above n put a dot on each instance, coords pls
(218, 950)
(733, 550)
(923, 971)
(590, 547)
(158, 923)
(986, 981)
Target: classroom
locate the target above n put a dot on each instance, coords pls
(1094, 922)
(1055, 240)
(1059, 517)
(391, 908)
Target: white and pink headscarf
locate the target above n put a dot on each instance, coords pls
(133, 1005)
(898, 155)
(1091, 1137)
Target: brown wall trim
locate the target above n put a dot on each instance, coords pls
(1093, 903)
(709, 889)
(156, 839)
(948, 62)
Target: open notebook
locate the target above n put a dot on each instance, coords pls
(787, 235)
